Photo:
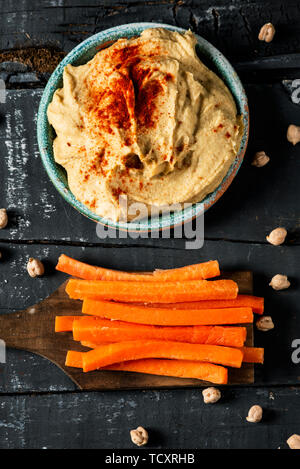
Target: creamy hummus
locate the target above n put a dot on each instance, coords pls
(145, 118)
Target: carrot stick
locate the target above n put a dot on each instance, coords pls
(254, 302)
(166, 317)
(98, 331)
(74, 359)
(150, 292)
(64, 323)
(204, 270)
(85, 343)
(253, 354)
(133, 350)
(89, 272)
(179, 368)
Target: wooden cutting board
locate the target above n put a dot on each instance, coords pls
(33, 330)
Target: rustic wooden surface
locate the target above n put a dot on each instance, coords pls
(40, 406)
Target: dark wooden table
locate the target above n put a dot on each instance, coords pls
(40, 407)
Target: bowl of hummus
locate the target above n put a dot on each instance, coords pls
(143, 126)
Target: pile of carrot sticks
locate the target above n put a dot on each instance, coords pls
(170, 322)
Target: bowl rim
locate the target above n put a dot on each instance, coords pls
(163, 221)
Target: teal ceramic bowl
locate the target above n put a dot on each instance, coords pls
(82, 54)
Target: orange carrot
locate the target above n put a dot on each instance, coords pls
(254, 302)
(150, 292)
(74, 359)
(202, 271)
(85, 343)
(89, 272)
(166, 317)
(133, 350)
(179, 368)
(64, 323)
(99, 331)
(253, 354)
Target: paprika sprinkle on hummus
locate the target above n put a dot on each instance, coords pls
(145, 119)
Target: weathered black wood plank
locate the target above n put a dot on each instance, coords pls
(25, 372)
(259, 199)
(18, 291)
(103, 420)
(231, 26)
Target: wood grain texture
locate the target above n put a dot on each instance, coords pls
(33, 330)
(174, 419)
